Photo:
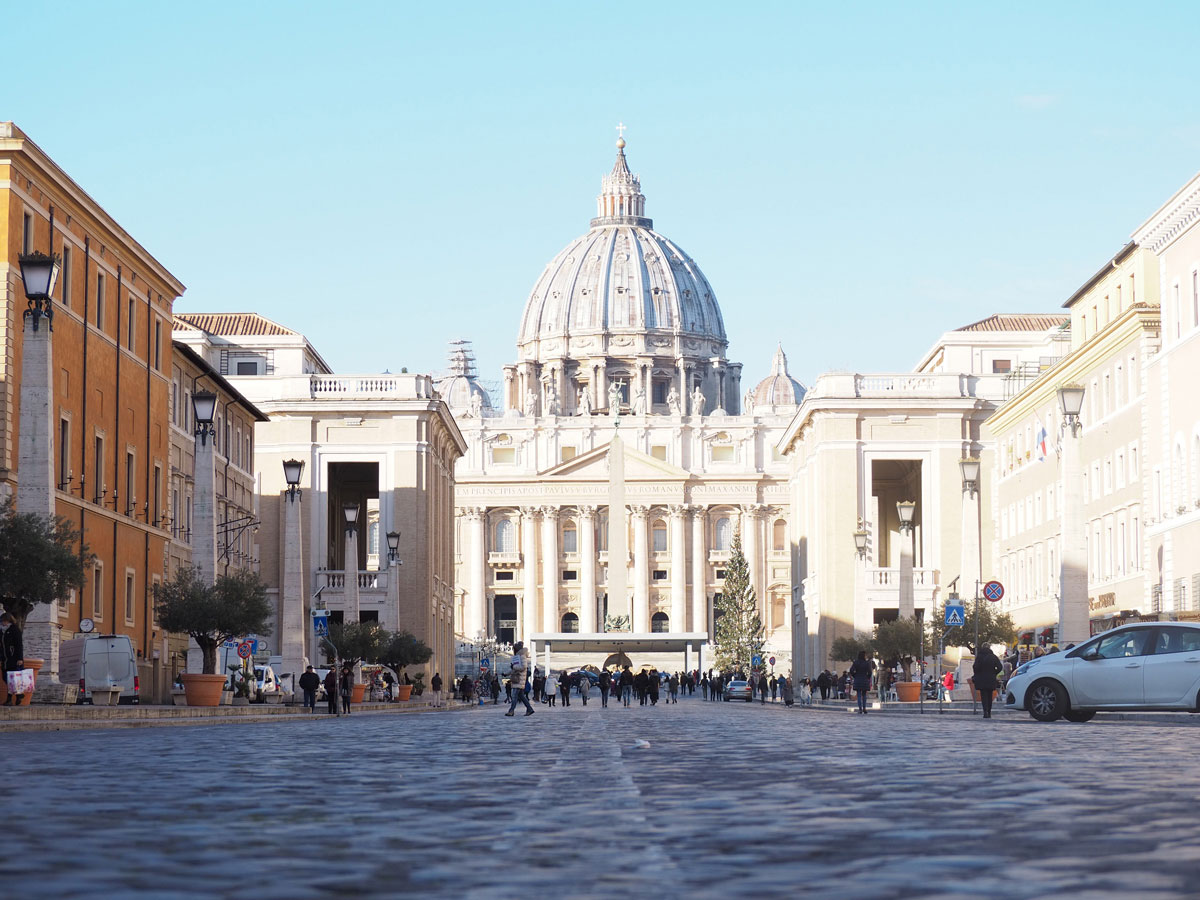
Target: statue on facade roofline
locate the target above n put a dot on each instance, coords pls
(614, 399)
(585, 401)
(673, 401)
(697, 402)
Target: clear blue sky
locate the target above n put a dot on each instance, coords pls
(854, 179)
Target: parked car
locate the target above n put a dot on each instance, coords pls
(738, 690)
(268, 681)
(100, 661)
(1145, 666)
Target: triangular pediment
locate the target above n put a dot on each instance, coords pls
(593, 466)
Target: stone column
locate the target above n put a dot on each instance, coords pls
(550, 619)
(751, 518)
(204, 529)
(600, 398)
(350, 572)
(587, 574)
(293, 598)
(699, 571)
(35, 475)
(678, 568)
(641, 570)
(907, 603)
(530, 604)
(475, 609)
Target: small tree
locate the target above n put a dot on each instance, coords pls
(403, 649)
(900, 641)
(357, 641)
(212, 614)
(41, 559)
(739, 629)
(845, 649)
(995, 627)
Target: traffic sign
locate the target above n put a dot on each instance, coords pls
(321, 622)
(993, 590)
(771, 660)
(485, 664)
(756, 660)
(245, 651)
(955, 616)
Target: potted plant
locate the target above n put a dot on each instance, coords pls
(418, 685)
(211, 614)
(240, 686)
(357, 642)
(401, 650)
(899, 642)
(41, 559)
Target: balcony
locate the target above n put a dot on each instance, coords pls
(505, 559)
(372, 587)
(883, 586)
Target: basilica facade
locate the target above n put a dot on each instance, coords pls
(622, 336)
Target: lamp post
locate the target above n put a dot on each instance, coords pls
(1073, 625)
(293, 615)
(861, 537)
(204, 499)
(905, 509)
(350, 569)
(971, 551)
(36, 483)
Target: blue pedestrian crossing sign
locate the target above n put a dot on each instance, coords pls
(955, 616)
(320, 622)
(756, 661)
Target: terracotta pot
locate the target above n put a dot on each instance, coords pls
(908, 691)
(404, 691)
(203, 690)
(357, 691)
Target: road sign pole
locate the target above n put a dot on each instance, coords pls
(974, 690)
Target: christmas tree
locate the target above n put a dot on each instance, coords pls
(739, 629)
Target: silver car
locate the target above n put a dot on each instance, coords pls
(738, 690)
(1147, 665)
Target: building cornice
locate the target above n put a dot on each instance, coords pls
(1171, 219)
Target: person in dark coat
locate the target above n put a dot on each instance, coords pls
(331, 691)
(309, 682)
(824, 683)
(347, 686)
(12, 653)
(987, 667)
(861, 671)
(641, 686)
(652, 685)
(564, 687)
(626, 683)
(605, 684)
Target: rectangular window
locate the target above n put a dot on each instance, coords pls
(504, 455)
(130, 326)
(722, 454)
(659, 451)
(64, 278)
(247, 368)
(98, 591)
(128, 596)
(130, 476)
(660, 392)
(158, 345)
(187, 522)
(569, 575)
(27, 233)
(155, 502)
(64, 454)
(100, 300)
(98, 470)
(570, 538)
(1001, 366)
(175, 513)
(660, 575)
(565, 453)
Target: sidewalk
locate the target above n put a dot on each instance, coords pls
(999, 712)
(65, 718)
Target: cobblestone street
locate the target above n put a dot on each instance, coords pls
(727, 800)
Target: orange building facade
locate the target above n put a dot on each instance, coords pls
(112, 365)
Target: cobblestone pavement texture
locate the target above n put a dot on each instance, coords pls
(727, 800)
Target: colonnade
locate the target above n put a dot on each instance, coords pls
(538, 568)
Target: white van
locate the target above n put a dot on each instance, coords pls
(100, 661)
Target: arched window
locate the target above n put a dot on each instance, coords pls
(658, 532)
(570, 538)
(724, 534)
(505, 537)
(660, 623)
(779, 539)
(570, 623)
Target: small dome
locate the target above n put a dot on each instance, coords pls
(777, 389)
(458, 387)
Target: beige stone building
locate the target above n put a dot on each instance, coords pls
(386, 445)
(861, 443)
(1114, 334)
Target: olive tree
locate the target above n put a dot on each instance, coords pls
(236, 605)
(41, 559)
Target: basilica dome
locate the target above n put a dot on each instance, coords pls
(621, 289)
(777, 389)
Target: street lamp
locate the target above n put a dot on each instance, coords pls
(292, 470)
(204, 406)
(393, 542)
(905, 510)
(1070, 398)
(1073, 624)
(970, 474)
(860, 542)
(39, 272)
(350, 511)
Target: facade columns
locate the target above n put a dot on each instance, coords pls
(587, 560)
(678, 568)
(529, 603)
(751, 522)
(699, 571)
(549, 569)
(600, 400)
(475, 609)
(641, 569)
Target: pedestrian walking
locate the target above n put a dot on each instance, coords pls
(861, 671)
(518, 673)
(564, 687)
(823, 684)
(436, 684)
(947, 684)
(762, 689)
(653, 682)
(310, 681)
(786, 690)
(626, 686)
(673, 688)
(605, 684)
(551, 691)
(331, 690)
(494, 685)
(704, 687)
(987, 667)
(774, 687)
(585, 686)
(12, 654)
(539, 685)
